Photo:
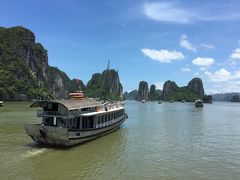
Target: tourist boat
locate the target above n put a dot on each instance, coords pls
(143, 101)
(1, 103)
(75, 120)
(199, 103)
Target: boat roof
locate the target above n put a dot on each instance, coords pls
(102, 112)
(70, 104)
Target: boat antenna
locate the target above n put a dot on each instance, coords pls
(108, 66)
(78, 83)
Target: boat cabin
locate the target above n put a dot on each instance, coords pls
(78, 113)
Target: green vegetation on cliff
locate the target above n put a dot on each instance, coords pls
(153, 96)
(105, 85)
(194, 90)
(25, 73)
(181, 93)
(17, 82)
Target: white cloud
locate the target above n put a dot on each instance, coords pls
(223, 75)
(219, 76)
(185, 69)
(200, 61)
(186, 44)
(159, 85)
(163, 56)
(173, 13)
(196, 74)
(166, 12)
(208, 46)
(235, 54)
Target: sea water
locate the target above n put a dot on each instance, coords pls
(158, 141)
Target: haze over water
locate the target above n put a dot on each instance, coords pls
(158, 141)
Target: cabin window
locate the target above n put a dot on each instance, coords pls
(61, 122)
(87, 122)
(90, 122)
(99, 120)
(74, 123)
(71, 125)
(85, 109)
(102, 119)
(51, 107)
(78, 123)
(84, 122)
(48, 121)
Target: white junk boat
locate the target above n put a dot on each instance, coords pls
(75, 120)
(198, 103)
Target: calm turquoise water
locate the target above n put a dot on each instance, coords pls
(158, 141)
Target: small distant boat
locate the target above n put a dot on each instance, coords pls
(198, 103)
(159, 102)
(183, 101)
(1, 103)
(171, 101)
(143, 101)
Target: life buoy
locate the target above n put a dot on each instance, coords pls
(97, 108)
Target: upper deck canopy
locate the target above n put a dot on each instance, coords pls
(70, 104)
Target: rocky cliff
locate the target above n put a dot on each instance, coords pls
(24, 69)
(153, 96)
(105, 85)
(142, 91)
(191, 92)
(169, 87)
(224, 97)
(235, 98)
(130, 95)
(25, 73)
(196, 85)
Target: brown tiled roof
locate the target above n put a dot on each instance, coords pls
(70, 104)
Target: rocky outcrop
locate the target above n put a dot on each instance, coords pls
(196, 85)
(235, 98)
(207, 99)
(191, 92)
(224, 97)
(130, 95)
(25, 73)
(142, 91)
(105, 85)
(24, 69)
(153, 96)
(169, 87)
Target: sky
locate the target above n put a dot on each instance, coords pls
(154, 41)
